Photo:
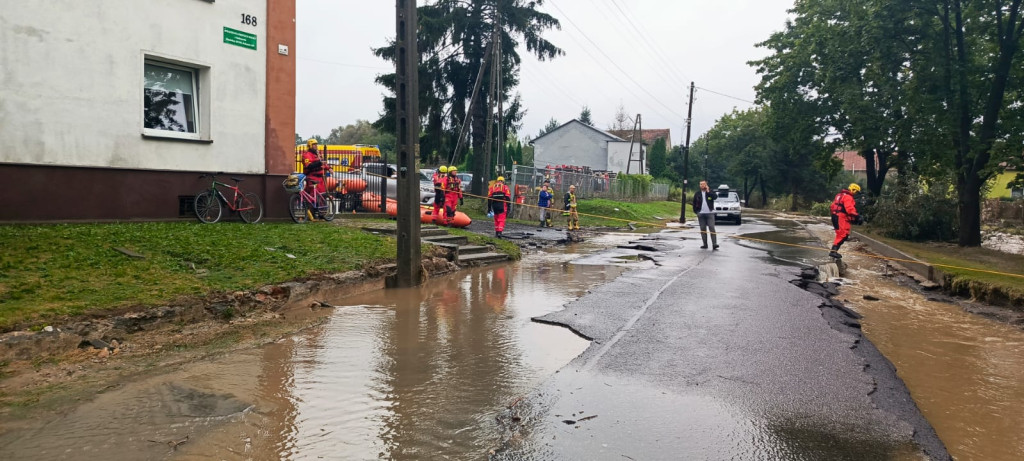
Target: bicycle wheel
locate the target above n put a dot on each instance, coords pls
(207, 207)
(297, 208)
(250, 208)
(326, 206)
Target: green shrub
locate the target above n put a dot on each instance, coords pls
(913, 210)
(821, 208)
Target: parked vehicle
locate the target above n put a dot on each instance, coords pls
(728, 204)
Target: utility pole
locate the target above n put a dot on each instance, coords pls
(407, 116)
(489, 132)
(686, 154)
(637, 134)
(499, 71)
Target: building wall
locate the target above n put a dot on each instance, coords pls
(618, 157)
(71, 83)
(572, 144)
(280, 123)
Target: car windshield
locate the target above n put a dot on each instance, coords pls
(426, 175)
(728, 197)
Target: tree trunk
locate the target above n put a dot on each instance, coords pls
(969, 201)
(764, 191)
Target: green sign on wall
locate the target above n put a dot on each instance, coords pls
(239, 38)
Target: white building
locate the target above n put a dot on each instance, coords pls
(119, 104)
(578, 144)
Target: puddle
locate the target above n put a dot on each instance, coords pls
(965, 372)
(401, 374)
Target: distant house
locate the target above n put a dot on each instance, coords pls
(999, 182)
(854, 163)
(578, 144)
(648, 136)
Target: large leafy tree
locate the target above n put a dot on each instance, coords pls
(455, 40)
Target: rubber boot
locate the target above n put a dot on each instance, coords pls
(835, 252)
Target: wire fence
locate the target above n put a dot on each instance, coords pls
(527, 180)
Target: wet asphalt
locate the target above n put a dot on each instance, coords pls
(703, 354)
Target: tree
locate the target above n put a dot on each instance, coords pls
(585, 116)
(363, 132)
(657, 159)
(622, 120)
(978, 109)
(552, 124)
(298, 139)
(454, 40)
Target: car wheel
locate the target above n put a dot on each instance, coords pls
(739, 220)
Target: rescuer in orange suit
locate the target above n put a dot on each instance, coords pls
(498, 197)
(452, 194)
(844, 212)
(313, 167)
(438, 181)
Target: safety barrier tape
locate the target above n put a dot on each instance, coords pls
(744, 237)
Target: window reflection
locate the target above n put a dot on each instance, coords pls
(169, 99)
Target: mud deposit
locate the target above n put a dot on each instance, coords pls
(397, 374)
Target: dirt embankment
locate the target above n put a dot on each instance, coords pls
(91, 353)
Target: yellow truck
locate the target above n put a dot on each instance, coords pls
(342, 158)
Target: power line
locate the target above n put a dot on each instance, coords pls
(333, 63)
(727, 96)
(612, 61)
(653, 46)
(616, 21)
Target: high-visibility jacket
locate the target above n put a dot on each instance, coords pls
(499, 195)
(844, 204)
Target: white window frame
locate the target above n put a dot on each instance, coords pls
(201, 103)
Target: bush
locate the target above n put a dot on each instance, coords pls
(821, 209)
(675, 194)
(913, 210)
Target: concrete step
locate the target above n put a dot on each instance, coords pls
(453, 239)
(482, 258)
(472, 249)
(424, 232)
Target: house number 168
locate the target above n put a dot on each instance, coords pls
(249, 20)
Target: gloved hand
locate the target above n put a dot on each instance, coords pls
(460, 201)
(858, 220)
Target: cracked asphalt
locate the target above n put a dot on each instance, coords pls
(704, 354)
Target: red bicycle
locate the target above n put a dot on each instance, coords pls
(208, 202)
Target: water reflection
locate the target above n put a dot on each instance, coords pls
(422, 373)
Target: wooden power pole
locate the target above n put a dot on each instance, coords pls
(407, 116)
(686, 154)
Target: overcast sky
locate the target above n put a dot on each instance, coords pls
(641, 54)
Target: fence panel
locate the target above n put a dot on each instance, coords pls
(593, 185)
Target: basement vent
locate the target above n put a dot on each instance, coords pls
(186, 206)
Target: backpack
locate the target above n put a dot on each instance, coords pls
(293, 183)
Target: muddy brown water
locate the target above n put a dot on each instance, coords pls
(398, 374)
(964, 371)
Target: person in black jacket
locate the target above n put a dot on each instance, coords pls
(704, 206)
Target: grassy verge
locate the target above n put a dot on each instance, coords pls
(601, 213)
(946, 254)
(70, 269)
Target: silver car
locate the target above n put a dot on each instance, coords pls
(727, 206)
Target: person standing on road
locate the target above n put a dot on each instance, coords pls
(452, 194)
(544, 202)
(497, 199)
(438, 181)
(704, 206)
(844, 212)
(570, 208)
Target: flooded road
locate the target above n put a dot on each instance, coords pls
(399, 374)
(965, 372)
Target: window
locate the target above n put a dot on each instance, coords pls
(170, 100)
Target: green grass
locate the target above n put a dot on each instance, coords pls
(70, 269)
(601, 213)
(944, 255)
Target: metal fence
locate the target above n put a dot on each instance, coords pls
(526, 180)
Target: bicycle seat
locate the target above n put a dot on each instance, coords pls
(237, 179)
